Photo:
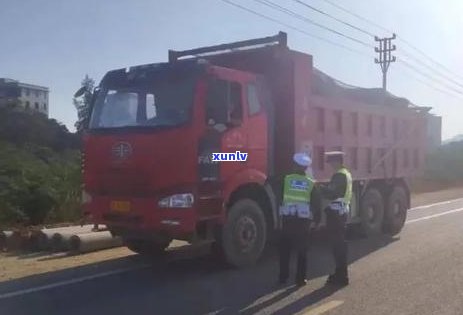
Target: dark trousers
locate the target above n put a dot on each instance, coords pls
(294, 238)
(336, 228)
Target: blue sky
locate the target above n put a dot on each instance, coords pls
(55, 43)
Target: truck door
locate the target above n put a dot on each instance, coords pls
(257, 125)
(225, 132)
(225, 113)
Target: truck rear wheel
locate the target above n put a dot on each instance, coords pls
(147, 247)
(372, 212)
(244, 234)
(396, 211)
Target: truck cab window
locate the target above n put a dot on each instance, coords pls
(223, 105)
(253, 99)
(119, 109)
(235, 104)
(164, 103)
(150, 106)
(216, 103)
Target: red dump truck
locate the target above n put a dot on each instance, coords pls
(149, 168)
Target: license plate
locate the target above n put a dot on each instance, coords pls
(120, 206)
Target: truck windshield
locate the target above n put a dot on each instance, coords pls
(163, 105)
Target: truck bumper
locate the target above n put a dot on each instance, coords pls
(142, 217)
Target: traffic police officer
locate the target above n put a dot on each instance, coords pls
(301, 205)
(339, 192)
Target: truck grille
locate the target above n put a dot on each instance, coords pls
(118, 182)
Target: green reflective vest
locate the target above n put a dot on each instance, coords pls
(297, 189)
(348, 194)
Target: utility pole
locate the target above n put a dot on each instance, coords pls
(384, 50)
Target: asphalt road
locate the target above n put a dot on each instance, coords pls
(418, 272)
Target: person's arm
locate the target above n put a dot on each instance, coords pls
(336, 188)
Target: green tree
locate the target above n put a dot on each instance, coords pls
(35, 129)
(25, 195)
(39, 170)
(81, 101)
(66, 178)
(38, 185)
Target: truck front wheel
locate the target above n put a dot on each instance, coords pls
(147, 247)
(396, 211)
(372, 212)
(244, 234)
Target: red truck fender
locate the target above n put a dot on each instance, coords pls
(242, 178)
(249, 182)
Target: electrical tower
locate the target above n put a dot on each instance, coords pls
(385, 58)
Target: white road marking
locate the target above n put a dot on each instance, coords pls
(436, 204)
(70, 281)
(434, 215)
(325, 307)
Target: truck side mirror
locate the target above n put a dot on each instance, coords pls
(80, 91)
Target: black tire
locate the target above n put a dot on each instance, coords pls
(396, 211)
(372, 212)
(147, 248)
(244, 234)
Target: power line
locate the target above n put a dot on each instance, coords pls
(432, 69)
(335, 18)
(358, 16)
(292, 13)
(383, 28)
(408, 65)
(371, 34)
(428, 57)
(403, 40)
(407, 73)
(310, 21)
(296, 29)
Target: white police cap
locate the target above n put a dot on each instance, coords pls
(302, 159)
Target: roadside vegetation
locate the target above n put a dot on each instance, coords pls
(39, 170)
(40, 167)
(443, 169)
(446, 164)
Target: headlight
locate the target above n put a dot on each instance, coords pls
(86, 197)
(177, 201)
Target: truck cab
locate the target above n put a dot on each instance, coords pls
(149, 173)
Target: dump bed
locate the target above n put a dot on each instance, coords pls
(383, 136)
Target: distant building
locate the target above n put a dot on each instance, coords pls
(29, 97)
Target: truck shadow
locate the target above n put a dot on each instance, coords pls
(188, 281)
(203, 286)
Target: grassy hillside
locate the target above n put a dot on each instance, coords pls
(39, 170)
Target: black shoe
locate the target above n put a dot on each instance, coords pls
(343, 282)
(301, 283)
(337, 280)
(331, 279)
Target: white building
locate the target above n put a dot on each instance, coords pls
(27, 96)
